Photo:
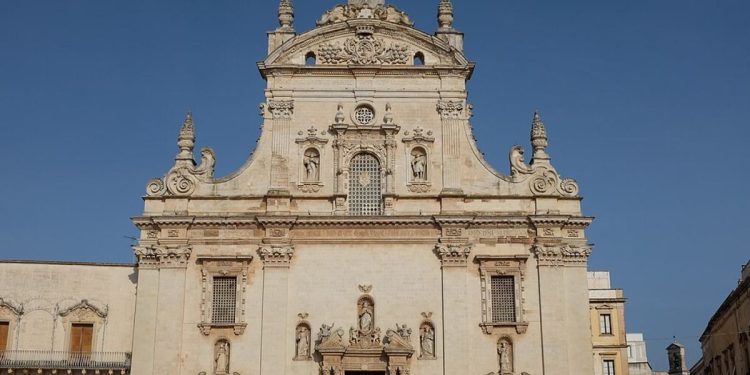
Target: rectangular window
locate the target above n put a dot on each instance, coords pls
(224, 300)
(608, 367)
(503, 292)
(4, 332)
(605, 324)
(81, 337)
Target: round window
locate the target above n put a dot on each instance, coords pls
(364, 115)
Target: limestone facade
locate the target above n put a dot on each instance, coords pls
(366, 234)
(725, 341)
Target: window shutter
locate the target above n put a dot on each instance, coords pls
(4, 331)
(81, 338)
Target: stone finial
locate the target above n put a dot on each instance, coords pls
(186, 140)
(445, 15)
(340, 114)
(388, 118)
(286, 15)
(539, 138)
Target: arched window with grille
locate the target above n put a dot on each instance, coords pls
(365, 195)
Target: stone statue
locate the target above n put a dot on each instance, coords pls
(338, 14)
(312, 165)
(403, 331)
(303, 342)
(427, 341)
(325, 331)
(419, 166)
(505, 354)
(208, 163)
(517, 164)
(221, 358)
(365, 317)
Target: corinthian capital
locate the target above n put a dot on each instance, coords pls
(453, 255)
(450, 108)
(562, 254)
(163, 256)
(276, 255)
(281, 108)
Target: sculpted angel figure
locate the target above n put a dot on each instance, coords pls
(337, 14)
(517, 164)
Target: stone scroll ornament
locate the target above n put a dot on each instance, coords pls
(183, 178)
(542, 178)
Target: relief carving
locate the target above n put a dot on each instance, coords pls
(450, 109)
(364, 49)
(282, 109)
(365, 9)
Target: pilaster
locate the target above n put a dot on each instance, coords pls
(452, 119)
(281, 112)
(276, 253)
(160, 303)
(453, 250)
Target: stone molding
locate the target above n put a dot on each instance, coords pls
(85, 305)
(155, 256)
(13, 308)
(561, 254)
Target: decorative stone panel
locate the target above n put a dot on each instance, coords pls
(500, 265)
(223, 266)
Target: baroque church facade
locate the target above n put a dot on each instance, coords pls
(365, 235)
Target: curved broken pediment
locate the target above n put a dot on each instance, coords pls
(366, 42)
(85, 305)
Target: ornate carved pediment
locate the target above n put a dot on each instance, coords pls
(83, 307)
(364, 50)
(365, 9)
(15, 309)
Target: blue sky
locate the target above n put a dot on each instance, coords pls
(645, 103)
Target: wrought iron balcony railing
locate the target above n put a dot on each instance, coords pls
(45, 359)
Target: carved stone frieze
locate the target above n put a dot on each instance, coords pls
(364, 49)
(562, 254)
(14, 308)
(276, 255)
(154, 256)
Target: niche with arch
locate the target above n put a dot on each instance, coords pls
(419, 59)
(222, 357)
(311, 59)
(427, 340)
(302, 342)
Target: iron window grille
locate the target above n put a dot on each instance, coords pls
(503, 292)
(365, 196)
(223, 307)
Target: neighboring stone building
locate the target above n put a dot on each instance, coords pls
(366, 235)
(607, 306)
(638, 356)
(725, 346)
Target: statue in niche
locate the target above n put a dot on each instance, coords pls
(365, 316)
(221, 358)
(312, 165)
(505, 356)
(419, 165)
(427, 341)
(303, 342)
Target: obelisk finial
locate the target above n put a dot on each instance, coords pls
(186, 140)
(286, 15)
